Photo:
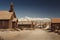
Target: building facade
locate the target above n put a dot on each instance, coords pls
(55, 24)
(8, 19)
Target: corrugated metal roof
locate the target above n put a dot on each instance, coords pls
(55, 20)
(24, 22)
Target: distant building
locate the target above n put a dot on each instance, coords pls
(8, 18)
(25, 24)
(55, 24)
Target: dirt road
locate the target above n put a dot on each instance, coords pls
(37, 34)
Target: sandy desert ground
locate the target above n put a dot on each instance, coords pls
(37, 34)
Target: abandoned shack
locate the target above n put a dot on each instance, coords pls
(25, 24)
(8, 19)
(55, 24)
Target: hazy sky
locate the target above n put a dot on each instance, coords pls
(33, 8)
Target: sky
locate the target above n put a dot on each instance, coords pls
(33, 8)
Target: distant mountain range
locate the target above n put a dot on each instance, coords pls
(26, 18)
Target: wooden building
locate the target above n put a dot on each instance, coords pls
(55, 24)
(25, 25)
(8, 19)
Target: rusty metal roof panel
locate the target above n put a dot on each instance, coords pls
(55, 20)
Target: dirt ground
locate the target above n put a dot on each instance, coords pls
(37, 34)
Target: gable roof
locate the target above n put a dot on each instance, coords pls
(4, 15)
(55, 20)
